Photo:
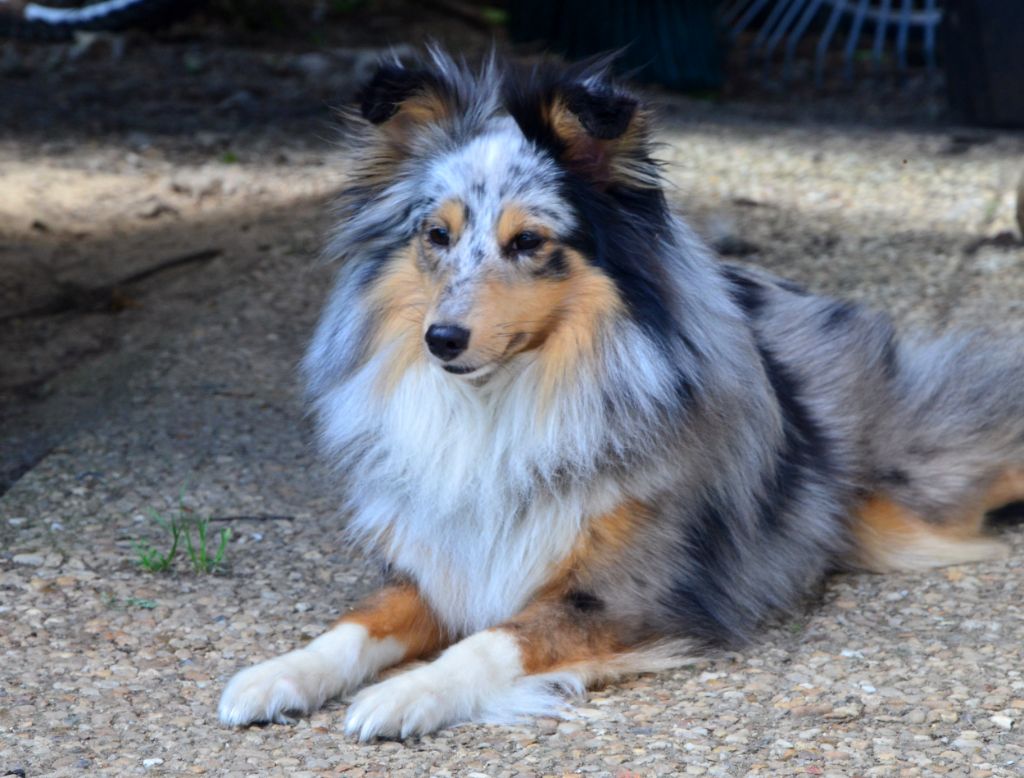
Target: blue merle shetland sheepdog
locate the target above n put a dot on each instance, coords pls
(582, 446)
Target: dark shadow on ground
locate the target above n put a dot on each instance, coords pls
(65, 370)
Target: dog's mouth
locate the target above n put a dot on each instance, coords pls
(477, 375)
(483, 370)
(460, 369)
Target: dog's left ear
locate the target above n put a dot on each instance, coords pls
(594, 128)
(400, 100)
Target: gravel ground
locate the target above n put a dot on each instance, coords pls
(185, 382)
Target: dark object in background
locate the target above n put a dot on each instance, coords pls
(909, 25)
(675, 43)
(983, 42)
(48, 22)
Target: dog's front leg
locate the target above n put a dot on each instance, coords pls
(498, 674)
(391, 627)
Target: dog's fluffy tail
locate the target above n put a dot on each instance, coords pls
(951, 439)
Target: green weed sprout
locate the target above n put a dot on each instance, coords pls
(150, 558)
(201, 554)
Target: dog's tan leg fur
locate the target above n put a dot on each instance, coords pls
(399, 613)
(551, 637)
(892, 538)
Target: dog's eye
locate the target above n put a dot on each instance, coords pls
(526, 241)
(439, 236)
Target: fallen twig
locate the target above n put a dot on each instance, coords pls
(74, 297)
(261, 517)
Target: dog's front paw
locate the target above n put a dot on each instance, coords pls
(413, 703)
(301, 681)
(266, 692)
(478, 679)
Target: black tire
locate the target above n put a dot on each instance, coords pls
(49, 22)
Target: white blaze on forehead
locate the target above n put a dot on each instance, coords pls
(498, 168)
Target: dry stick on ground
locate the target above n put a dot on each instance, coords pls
(76, 298)
(252, 518)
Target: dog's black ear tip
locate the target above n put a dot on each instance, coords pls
(604, 112)
(375, 111)
(380, 98)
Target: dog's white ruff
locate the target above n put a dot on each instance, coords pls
(450, 479)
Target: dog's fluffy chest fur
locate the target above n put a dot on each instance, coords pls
(477, 572)
(446, 480)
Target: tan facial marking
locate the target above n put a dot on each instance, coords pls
(561, 318)
(514, 220)
(512, 316)
(516, 304)
(589, 300)
(451, 215)
(401, 298)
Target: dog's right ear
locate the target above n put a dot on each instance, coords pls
(399, 100)
(594, 127)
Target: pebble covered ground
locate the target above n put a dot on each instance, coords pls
(109, 670)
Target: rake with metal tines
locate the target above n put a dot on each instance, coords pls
(787, 22)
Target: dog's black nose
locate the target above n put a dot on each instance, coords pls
(447, 341)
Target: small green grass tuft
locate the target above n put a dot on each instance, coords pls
(199, 542)
(149, 557)
(199, 553)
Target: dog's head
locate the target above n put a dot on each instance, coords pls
(500, 211)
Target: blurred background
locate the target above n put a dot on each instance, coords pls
(165, 169)
(913, 59)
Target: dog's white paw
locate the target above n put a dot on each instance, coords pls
(266, 692)
(414, 703)
(478, 679)
(301, 681)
